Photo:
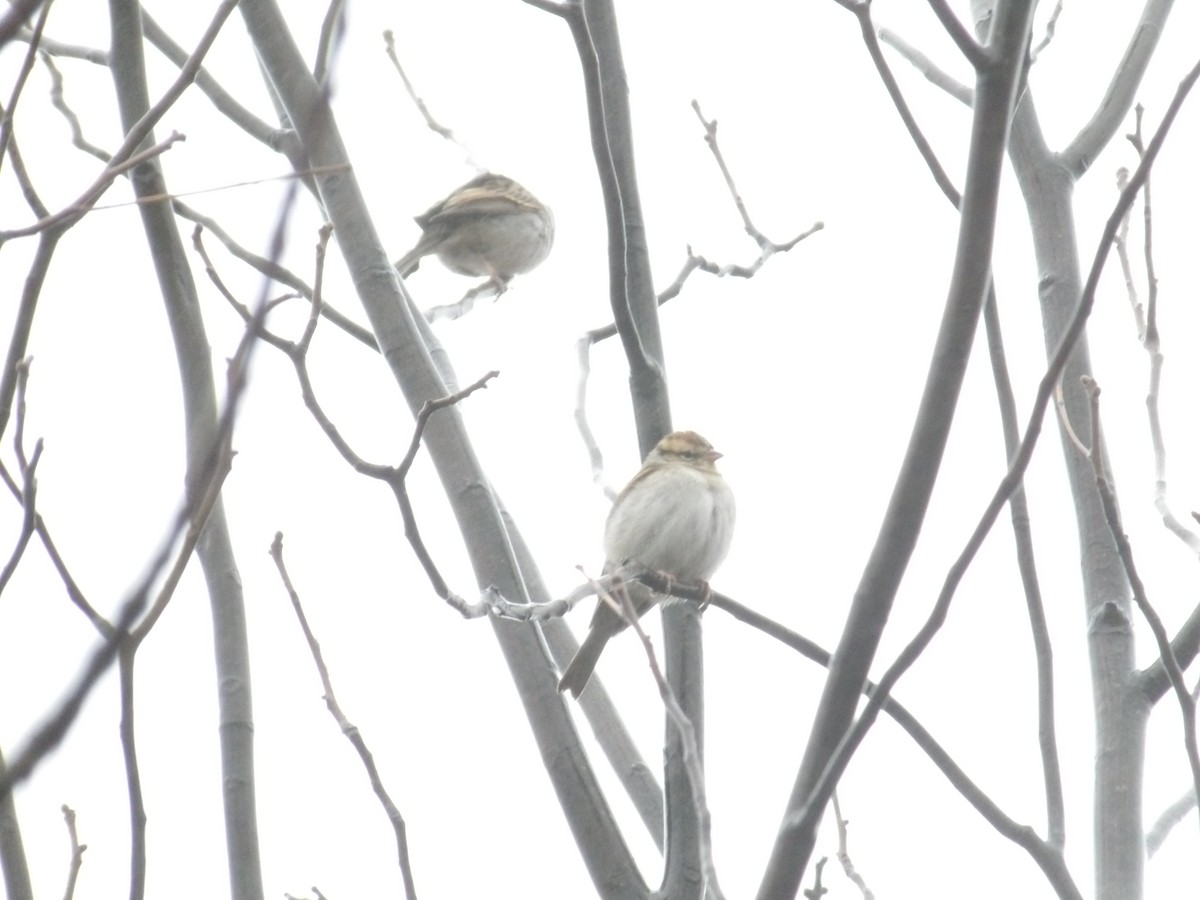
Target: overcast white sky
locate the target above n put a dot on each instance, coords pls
(806, 377)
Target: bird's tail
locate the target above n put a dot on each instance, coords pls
(579, 670)
(409, 262)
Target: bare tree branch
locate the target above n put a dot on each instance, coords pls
(1122, 248)
(28, 469)
(58, 100)
(1119, 96)
(6, 121)
(1056, 828)
(1048, 34)
(687, 735)
(828, 748)
(389, 42)
(14, 864)
(923, 64)
(843, 828)
(977, 56)
(333, 27)
(1187, 703)
(394, 476)
(1152, 343)
(1021, 459)
(1170, 817)
(15, 16)
(867, 26)
(353, 735)
(767, 249)
(76, 852)
(273, 270)
(71, 214)
(1048, 857)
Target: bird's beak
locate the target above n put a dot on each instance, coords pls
(713, 455)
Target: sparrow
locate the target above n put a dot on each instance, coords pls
(490, 226)
(675, 517)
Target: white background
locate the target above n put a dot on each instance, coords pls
(806, 377)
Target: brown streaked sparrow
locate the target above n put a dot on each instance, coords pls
(675, 517)
(490, 226)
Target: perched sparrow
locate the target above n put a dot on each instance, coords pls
(676, 517)
(490, 226)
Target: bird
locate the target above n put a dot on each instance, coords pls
(676, 517)
(490, 226)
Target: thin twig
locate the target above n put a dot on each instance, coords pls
(933, 73)
(137, 134)
(977, 56)
(767, 248)
(94, 55)
(1112, 515)
(77, 850)
(1152, 343)
(843, 828)
(854, 736)
(189, 521)
(350, 730)
(394, 476)
(14, 17)
(58, 99)
(642, 363)
(871, 40)
(74, 593)
(72, 213)
(271, 269)
(6, 121)
(28, 191)
(28, 469)
(1043, 853)
(1168, 819)
(1056, 828)
(694, 262)
(496, 604)
(317, 895)
(1148, 238)
(1064, 419)
(818, 890)
(240, 308)
(220, 461)
(692, 762)
(1019, 512)
(583, 348)
(1048, 35)
(207, 500)
(333, 27)
(396, 479)
(389, 42)
(1122, 247)
(278, 140)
